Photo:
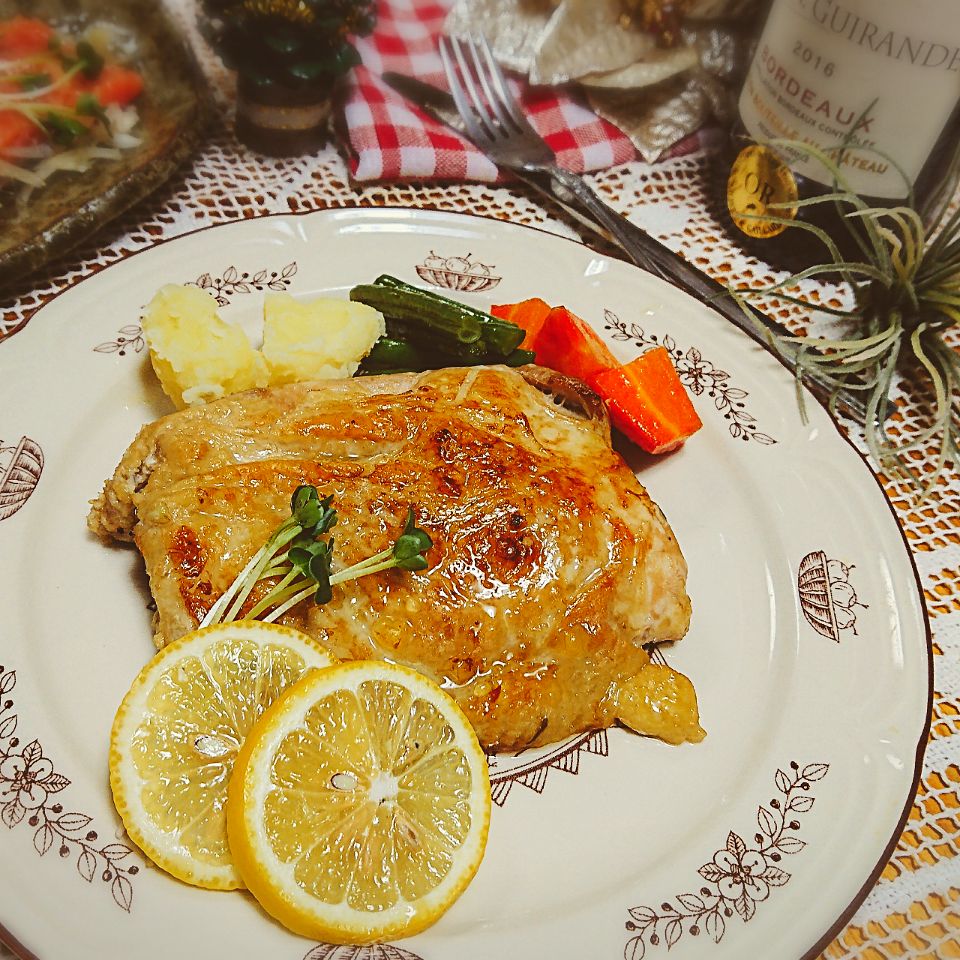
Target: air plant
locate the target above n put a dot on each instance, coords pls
(905, 294)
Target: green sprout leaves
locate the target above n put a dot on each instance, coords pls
(315, 516)
(411, 546)
(63, 128)
(88, 105)
(91, 63)
(299, 561)
(312, 562)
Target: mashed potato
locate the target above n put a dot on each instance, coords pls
(199, 357)
(317, 339)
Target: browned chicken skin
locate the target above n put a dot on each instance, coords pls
(550, 569)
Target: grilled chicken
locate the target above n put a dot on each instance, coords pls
(551, 568)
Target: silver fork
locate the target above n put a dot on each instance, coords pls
(498, 126)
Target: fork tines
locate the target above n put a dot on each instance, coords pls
(490, 111)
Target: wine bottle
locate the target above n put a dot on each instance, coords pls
(874, 84)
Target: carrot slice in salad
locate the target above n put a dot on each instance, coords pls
(113, 85)
(22, 36)
(116, 84)
(17, 131)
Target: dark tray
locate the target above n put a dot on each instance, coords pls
(173, 108)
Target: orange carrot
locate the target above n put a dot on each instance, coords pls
(648, 403)
(116, 84)
(17, 131)
(566, 343)
(528, 314)
(22, 36)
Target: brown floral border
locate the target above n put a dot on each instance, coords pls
(129, 337)
(229, 284)
(29, 785)
(738, 876)
(698, 375)
(233, 282)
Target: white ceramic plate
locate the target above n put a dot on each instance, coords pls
(808, 646)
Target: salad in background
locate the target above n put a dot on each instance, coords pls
(65, 101)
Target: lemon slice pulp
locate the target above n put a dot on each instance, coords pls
(177, 733)
(359, 806)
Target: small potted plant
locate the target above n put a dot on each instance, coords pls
(288, 56)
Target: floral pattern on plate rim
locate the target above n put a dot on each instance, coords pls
(222, 288)
(698, 375)
(738, 876)
(29, 785)
(232, 282)
(129, 337)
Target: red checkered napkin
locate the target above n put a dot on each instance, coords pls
(391, 139)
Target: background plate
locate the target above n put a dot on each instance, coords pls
(808, 644)
(71, 206)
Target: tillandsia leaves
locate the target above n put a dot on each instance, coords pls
(299, 562)
(905, 293)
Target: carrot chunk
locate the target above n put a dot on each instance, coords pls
(648, 403)
(566, 343)
(116, 84)
(17, 131)
(528, 314)
(22, 36)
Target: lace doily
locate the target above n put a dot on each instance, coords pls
(913, 909)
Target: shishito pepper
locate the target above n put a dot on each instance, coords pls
(567, 344)
(647, 402)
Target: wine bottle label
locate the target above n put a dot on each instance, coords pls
(761, 187)
(870, 82)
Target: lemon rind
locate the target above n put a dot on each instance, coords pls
(256, 863)
(157, 845)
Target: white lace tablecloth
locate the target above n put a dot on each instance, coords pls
(914, 909)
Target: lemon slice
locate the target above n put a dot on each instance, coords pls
(359, 805)
(176, 736)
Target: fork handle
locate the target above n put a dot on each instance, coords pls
(649, 254)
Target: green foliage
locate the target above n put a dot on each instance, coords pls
(288, 44)
(300, 562)
(34, 81)
(63, 128)
(88, 105)
(906, 293)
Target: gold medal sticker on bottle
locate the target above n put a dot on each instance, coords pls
(759, 182)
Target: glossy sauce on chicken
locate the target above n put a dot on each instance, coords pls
(551, 568)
